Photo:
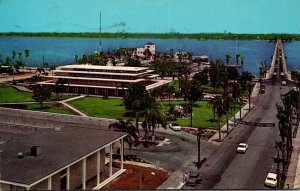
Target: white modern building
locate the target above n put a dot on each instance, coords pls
(103, 80)
(37, 156)
(140, 52)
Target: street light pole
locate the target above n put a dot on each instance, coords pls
(198, 141)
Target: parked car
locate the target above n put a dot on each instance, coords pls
(193, 179)
(242, 148)
(174, 128)
(283, 82)
(271, 180)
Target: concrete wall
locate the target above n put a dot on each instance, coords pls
(40, 186)
(4, 186)
(56, 181)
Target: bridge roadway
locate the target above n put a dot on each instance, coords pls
(225, 169)
(278, 65)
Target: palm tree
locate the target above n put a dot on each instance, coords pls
(134, 100)
(212, 103)
(237, 58)
(242, 58)
(227, 97)
(59, 86)
(220, 111)
(194, 94)
(26, 52)
(170, 89)
(249, 87)
(126, 127)
(235, 96)
(228, 57)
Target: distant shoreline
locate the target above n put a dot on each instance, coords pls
(198, 36)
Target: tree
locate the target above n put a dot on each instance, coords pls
(152, 116)
(201, 77)
(133, 62)
(242, 58)
(41, 94)
(219, 105)
(249, 88)
(170, 89)
(228, 57)
(34, 80)
(237, 58)
(60, 85)
(232, 73)
(217, 73)
(126, 127)
(134, 100)
(26, 52)
(244, 78)
(51, 68)
(194, 94)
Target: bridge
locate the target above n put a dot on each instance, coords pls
(278, 70)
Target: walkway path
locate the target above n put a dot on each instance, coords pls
(293, 174)
(64, 102)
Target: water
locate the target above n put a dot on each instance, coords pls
(292, 52)
(61, 51)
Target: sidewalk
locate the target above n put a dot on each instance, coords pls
(64, 102)
(293, 174)
(224, 133)
(173, 181)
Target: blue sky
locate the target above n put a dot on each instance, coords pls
(155, 16)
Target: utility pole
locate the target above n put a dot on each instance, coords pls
(198, 141)
(100, 30)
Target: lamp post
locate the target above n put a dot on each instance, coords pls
(198, 142)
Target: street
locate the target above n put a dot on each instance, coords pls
(226, 169)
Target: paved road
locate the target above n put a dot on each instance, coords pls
(226, 169)
(17, 77)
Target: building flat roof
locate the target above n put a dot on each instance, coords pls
(117, 68)
(58, 149)
(99, 79)
(86, 86)
(105, 73)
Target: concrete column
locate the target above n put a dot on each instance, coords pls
(110, 162)
(50, 183)
(84, 174)
(68, 178)
(98, 167)
(122, 152)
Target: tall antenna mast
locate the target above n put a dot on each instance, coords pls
(235, 45)
(100, 43)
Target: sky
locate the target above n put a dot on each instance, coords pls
(151, 16)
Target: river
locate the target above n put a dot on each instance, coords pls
(61, 51)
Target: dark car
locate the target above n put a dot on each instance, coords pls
(193, 179)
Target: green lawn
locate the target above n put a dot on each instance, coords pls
(11, 95)
(99, 107)
(48, 107)
(113, 108)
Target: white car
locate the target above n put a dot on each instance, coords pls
(176, 128)
(283, 82)
(271, 180)
(242, 148)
